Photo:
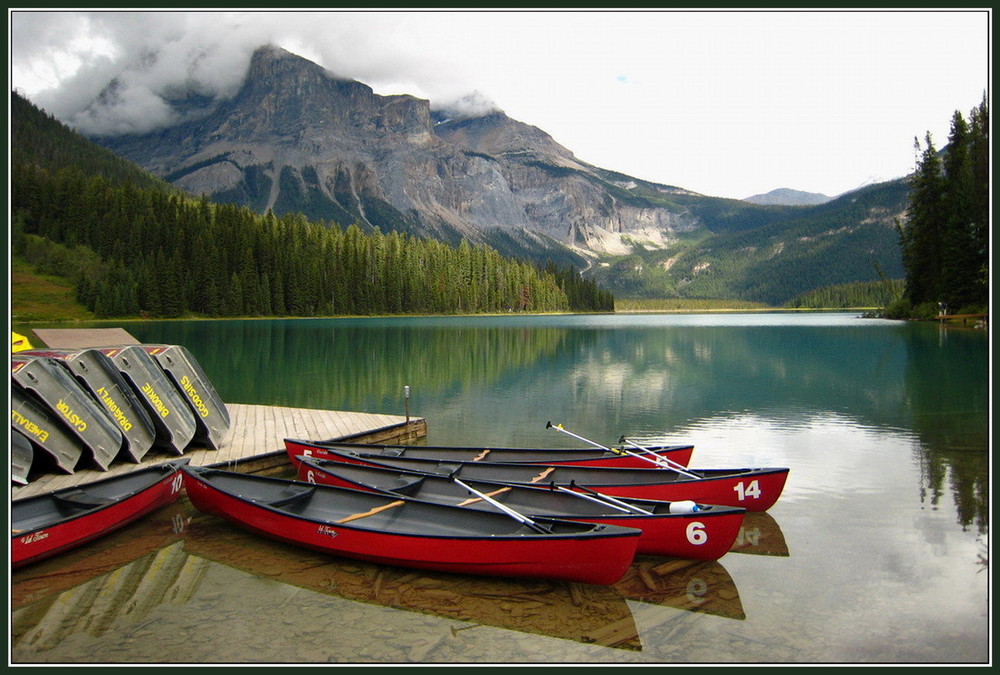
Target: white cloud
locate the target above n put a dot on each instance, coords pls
(722, 102)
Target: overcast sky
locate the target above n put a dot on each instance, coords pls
(725, 103)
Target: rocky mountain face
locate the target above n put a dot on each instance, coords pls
(296, 138)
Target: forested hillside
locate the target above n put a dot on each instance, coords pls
(853, 238)
(140, 248)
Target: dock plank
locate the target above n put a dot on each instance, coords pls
(256, 435)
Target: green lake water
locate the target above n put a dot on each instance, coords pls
(876, 552)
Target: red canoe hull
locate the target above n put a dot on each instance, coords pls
(678, 454)
(749, 488)
(707, 534)
(34, 544)
(601, 560)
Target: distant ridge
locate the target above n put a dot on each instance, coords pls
(789, 197)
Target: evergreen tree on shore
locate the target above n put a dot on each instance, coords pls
(945, 240)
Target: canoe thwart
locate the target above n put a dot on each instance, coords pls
(371, 512)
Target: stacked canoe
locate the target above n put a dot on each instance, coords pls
(76, 408)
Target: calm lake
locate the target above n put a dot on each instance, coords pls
(876, 552)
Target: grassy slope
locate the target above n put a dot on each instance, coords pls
(35, 297)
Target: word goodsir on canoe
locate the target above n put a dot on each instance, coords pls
(752, 489)
(706, 533)
(396, 530)
(48, 524)
(678, 454)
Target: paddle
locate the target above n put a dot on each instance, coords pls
(661, 462)
(673, 465)
(509, 511)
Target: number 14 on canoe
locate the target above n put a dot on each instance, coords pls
(753, 489)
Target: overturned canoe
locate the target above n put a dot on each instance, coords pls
(48, 524)
(210, 413)
(750, 488)
(677, 454)
(676, 529)
(173, 420)
(61, 449)
(99, 376)
(21, 456)
(52, 383)
(396, 530)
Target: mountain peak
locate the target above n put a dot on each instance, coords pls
(788, 197)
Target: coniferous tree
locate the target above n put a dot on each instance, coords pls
(945, 241)
(921, 238)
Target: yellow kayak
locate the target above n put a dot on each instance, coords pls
(18, 343)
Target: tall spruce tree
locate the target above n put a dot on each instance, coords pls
(921, 240)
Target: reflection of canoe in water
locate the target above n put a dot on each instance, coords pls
(752, 489)
(51, 382)
(99, 376)
(395, 530)
(48, 524)
(678, 454)
(567, 610)
(694, 586)
(95, 606)
(760, 535)
(678, 529)
(60, 449)
(54, 575)
(174, 422)
(210, 413)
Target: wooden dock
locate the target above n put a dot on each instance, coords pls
(255, 442)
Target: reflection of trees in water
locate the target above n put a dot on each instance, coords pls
(355, 367)
(947, 380)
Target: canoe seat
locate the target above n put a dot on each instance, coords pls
(290, 495)
(450, 469)
(393, 452)
(80, 498)
(408, 485)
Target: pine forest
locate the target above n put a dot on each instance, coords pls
(136, 248)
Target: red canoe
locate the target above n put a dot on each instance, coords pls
(675, 529)
(613, 457)
(751, 489)
(396, 530)
(45, 525)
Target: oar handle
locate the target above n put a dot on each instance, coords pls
(559, 427)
